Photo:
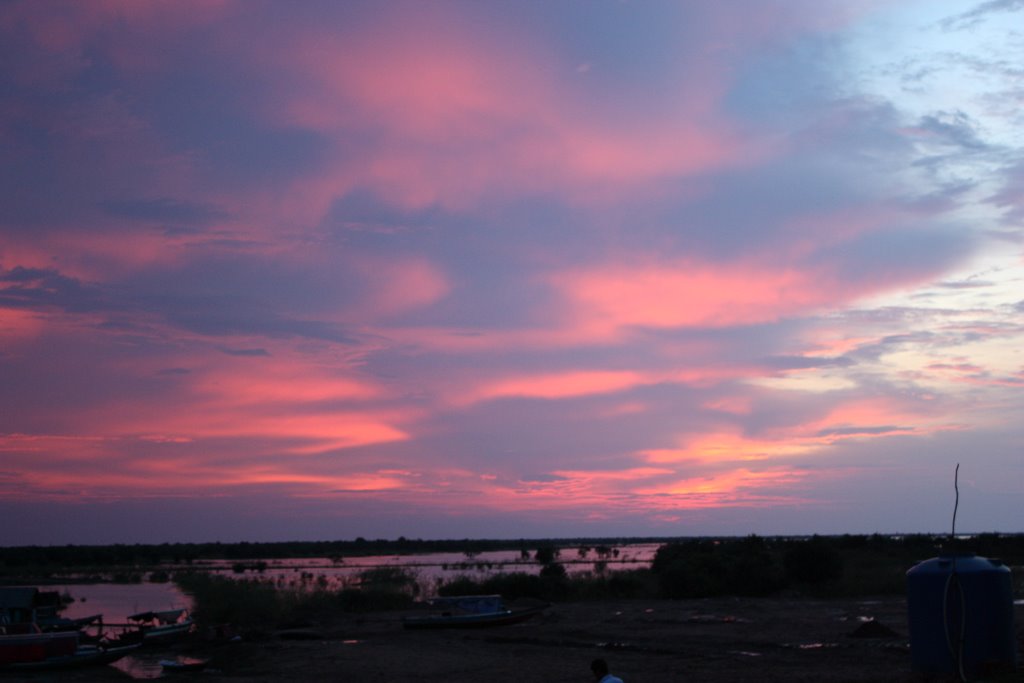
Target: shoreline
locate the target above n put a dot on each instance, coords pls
(655, 641)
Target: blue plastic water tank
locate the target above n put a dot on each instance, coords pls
(960, 611)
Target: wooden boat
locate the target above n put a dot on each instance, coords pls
(84, 655)
(68, 624)
(162, 627)
(25, 643)
(471, 611)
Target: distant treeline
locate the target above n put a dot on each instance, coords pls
(14, 560)
(824, 566)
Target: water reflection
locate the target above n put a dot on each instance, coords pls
(140, 666)
(115, 601)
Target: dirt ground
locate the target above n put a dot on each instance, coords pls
(727, 640)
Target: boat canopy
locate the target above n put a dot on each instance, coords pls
(166, 617)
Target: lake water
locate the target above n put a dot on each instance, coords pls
(430, 568)
(115, 601)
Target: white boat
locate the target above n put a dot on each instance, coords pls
(160, 627)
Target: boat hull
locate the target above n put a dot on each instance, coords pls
(488, 620)
(36, 647)
(85, 655)
(165, 634)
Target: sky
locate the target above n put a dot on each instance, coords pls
(322, 270)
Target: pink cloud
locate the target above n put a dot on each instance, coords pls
(88, 468)
(286, 380)
(654, 293)
(725, 446)
(577, 383)
(296, 407)
(296, 430)
(557, 385)
(735, 404)
(17, 326)
(738, 487)
(649, 291)
(397, 284)
(458, 117)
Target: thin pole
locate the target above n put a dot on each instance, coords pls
(956, 487)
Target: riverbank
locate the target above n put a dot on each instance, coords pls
(655, 641)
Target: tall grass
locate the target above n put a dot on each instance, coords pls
(258, 606)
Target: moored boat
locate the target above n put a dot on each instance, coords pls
(161, 627)
(472, 611)
(24, 643)
(83, 655)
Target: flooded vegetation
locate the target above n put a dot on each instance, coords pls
(250, 584)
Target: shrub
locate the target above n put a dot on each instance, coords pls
(258, 605)
(701, 568)
(353, 600)
(159, 576)
(813, 561)
(557, 586)
(245, 604)
(546, 554)
(553, 571)
(390, 579)
(630, 584)
(511, 586)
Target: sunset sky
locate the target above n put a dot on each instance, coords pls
(319, 270)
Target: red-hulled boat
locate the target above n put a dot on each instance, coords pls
(23, 643)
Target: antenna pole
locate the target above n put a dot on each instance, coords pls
(956, 487)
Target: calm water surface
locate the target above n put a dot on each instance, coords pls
(431, 568)
(115, 601)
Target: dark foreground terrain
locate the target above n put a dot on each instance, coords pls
(653, 641)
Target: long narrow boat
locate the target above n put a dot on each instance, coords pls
(84, 655)
(471, 611)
